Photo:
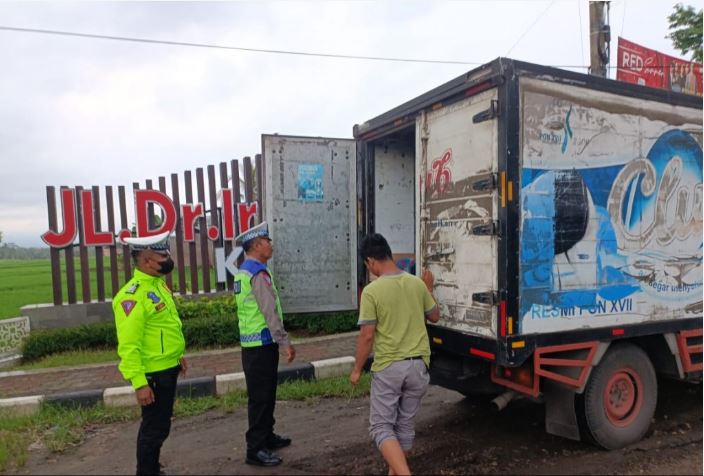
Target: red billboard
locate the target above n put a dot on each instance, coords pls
(640, 65)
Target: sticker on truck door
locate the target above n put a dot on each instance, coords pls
(310, 182)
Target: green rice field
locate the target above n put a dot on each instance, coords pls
(24, 282)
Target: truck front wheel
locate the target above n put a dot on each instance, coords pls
(619, 399)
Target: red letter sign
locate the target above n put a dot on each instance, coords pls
(68, 210)
(246, 212)
(92, 236)
(228, 214)
(190, 213)
(142, 200)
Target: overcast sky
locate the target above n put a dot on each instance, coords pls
(77, 111)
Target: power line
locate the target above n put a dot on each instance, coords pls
(261, 50)
(530, 27)
(225, 47)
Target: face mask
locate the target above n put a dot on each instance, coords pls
(166, 266)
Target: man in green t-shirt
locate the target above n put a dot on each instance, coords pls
(392, 315)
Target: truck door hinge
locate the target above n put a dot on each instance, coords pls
(486, 184)
(488, 114)
(488, 297)
(486, 229)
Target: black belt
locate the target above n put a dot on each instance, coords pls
(415, 357)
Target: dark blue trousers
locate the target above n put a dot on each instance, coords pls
(260, 366)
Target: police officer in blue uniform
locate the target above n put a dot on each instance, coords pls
(262, 335)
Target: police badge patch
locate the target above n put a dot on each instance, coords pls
(132, 289)
(152, 295)
(238, 287)
(127, 306)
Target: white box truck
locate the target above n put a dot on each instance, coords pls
(560, 213)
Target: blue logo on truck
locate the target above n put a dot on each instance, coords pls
(592, 239)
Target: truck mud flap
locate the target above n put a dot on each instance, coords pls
(560, 412)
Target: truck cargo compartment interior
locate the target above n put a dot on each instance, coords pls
(393, 158)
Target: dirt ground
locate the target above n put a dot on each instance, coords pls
(454, 436)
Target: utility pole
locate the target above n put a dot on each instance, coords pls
(599, 38)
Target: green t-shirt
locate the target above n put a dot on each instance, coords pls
(397, 305)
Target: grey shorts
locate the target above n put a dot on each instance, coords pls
(395, 399)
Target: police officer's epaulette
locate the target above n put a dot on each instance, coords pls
(132, 289)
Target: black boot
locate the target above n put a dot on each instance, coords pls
(277, 441)
(263, 457)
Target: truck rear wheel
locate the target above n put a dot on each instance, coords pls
(620, 396)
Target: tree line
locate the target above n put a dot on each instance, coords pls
(12, 251)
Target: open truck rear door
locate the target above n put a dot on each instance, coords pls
(309, 204)
(458, 229)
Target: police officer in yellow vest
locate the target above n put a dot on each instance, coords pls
(150, 344)
(262, 334)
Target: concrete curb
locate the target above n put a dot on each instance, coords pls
(217, 385)
(20, 406)
(119, 397)
(84, 398)
(196, 387)
(333, 367)
(297, 371)
(226, 383)
(10, 360)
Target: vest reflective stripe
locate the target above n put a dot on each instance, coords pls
(252, 324)
(259, 338)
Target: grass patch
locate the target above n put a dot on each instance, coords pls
(336, 387)
(70, 359)
(187, 407)
(60, 428)
(297, 390)
(13, 449)
(57, 428)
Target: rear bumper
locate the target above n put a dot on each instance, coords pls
(463, 374)
(464, 345)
